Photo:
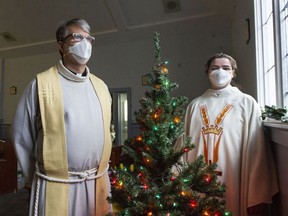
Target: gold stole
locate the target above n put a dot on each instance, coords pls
(54, 142)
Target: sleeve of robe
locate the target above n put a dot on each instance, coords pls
(24, 131)
(258, 179)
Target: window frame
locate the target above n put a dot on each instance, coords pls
(279, 64)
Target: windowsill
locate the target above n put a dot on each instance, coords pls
(278, 133)
(275, 124)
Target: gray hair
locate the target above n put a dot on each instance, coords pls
(62, 31)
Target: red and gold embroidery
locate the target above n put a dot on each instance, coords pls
(215, 129)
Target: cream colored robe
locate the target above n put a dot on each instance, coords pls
(84, 139)
(226, 128)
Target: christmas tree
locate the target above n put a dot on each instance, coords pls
(149, 185)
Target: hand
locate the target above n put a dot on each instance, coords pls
(256, 210)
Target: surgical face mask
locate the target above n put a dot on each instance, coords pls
(81, 51)
(219, 78)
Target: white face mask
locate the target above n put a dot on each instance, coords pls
(219, 78)
(81, 51)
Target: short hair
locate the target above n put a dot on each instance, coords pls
(62, 30)
(221, 55)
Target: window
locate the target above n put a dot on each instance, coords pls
(271, 28)
(121, 114)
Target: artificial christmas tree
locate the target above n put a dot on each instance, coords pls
(147, 184)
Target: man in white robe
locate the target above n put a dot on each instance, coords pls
(86, 119)
(225, 126)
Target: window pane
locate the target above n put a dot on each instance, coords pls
(284, 46)
(270, 88)
(268, 54)
(268, 39)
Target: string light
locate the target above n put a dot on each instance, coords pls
(156, 115)
(113, 181)
(147, 160)
(193, 203)
(207, 178)
(186, 149)
(144, 187)
(172, 178)
(120, 184)
(185, 180)
(158, 196)
(166, 83)
(147, 148)
(131, 168)
(206, 213)
(139, 138)
(176, 119)
(157, 86)
(155, 128)
(164, 70)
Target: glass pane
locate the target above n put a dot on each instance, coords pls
(123, 111)
(267, 10)
(270, 87)
(284, 47)
(121, 114)
(284, 27)
(269, 42)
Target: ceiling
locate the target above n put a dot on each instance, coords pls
(28, 27)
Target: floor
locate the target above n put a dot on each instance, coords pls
(14, 204)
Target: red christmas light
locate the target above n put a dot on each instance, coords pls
(186, 149)
(172, 178)
(193, 203)
(113, 181)
(207, 178)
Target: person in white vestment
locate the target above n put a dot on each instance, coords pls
(225, 126)
(84, 137)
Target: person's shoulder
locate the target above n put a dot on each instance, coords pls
(94, 77)
(97, 81)
(194, 102)
(247, 98)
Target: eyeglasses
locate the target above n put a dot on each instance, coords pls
(77, 37)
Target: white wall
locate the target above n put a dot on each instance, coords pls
(19, 72)
(245, 54)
